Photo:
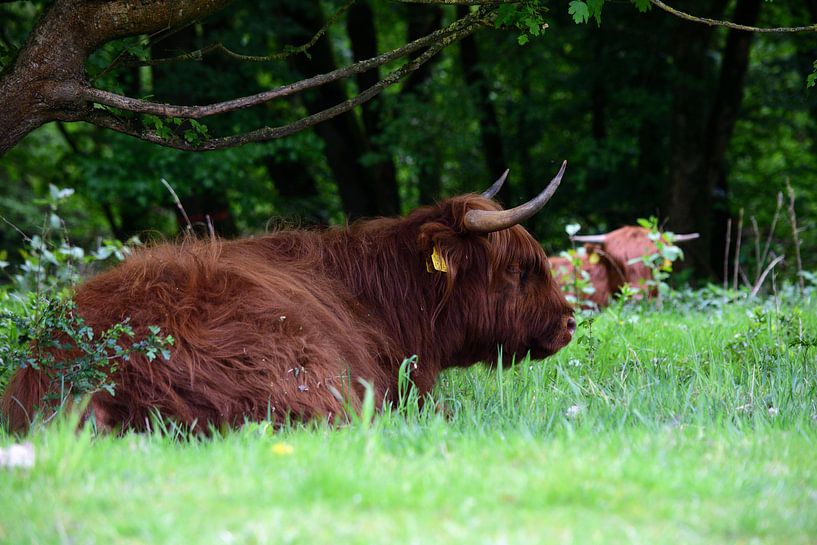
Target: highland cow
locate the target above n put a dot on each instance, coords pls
(612, 260)
(293, 324)
(605, 274)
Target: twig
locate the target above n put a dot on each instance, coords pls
(459, 28)
(179, 205)
(728, 24)
(745, 278)
(68, 139)
(153, 39)
(776, 216)
(736, 267)
(460, 2)
(756, 239)
(106, 120)
(760, 280)
(19, 231)
(726, 254)
(795, 236)
(218, 47)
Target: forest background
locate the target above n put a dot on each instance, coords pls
(655, 114)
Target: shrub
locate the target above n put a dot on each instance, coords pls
(38, 318)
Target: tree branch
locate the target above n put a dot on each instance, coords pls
(196, 112)
(727, 24)
(218, 47)
(460, 2)
(107, 120)
(121, 18)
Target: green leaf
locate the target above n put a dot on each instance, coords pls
(505, 15)
(523, 39)
(139, 50)
(642, 5)
(153, 120)
(594, 7)
(200, 128)
(579, 11)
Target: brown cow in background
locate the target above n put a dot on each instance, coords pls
(293, 323)
(607, 261)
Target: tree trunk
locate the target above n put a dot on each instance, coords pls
(298, 190)
(597, 181)
(424, 20)
(363, 36)
(46, 80)
(721, 124)
(490, 133)
(688, 205)
(22, 111)
(807, 51)
(42, 81)
(205, 206)
(344, 138)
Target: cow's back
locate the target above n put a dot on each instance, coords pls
(254, 333)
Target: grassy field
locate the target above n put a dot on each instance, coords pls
(694, 424)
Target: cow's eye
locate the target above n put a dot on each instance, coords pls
(519, 271)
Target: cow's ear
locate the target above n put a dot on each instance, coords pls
(447, 237)
(615, 267)
(592, 248)
(441, 248)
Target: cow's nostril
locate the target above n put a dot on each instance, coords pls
(571, 325)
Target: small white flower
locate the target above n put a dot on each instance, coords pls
(572, 228)
(17, 456)
(573, 411)
(773, 411)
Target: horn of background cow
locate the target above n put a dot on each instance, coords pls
(497, 185)
(488, 221)
(685, 237)
(589, 238)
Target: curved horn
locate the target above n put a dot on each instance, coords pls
(685, 237)
(589, 238)
(488, 221)
(497, 185)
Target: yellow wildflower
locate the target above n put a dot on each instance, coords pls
(282, 449)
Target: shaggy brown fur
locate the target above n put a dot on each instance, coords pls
(287, 323)
(631, 242)
(610, 268)
(606, 273)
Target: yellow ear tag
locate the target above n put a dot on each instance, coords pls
(594, 258)
(437, 262)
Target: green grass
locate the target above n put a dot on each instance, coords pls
(678, 426)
